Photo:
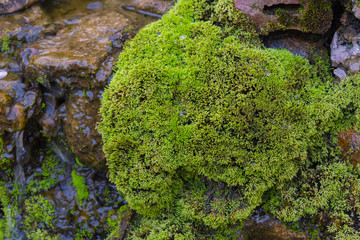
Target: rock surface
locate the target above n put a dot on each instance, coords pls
(345, 48)
(265, 227)
(17, 103)
(349, 143)
(274, 15)
(80, 127)
(10, 6)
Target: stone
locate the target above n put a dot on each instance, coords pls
(349, 143)
(262, 226)
(68, 53)
(26, 26)
(80, 128)
(10, 6)
(298, 46)
(340, 73)
(154, 6)
(345, 49)
(17, 104)
(94, 6)
(3, 74)
(274, 15)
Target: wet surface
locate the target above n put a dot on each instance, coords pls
(56, 58)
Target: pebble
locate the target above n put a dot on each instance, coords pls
(3, 74)
(94, 5)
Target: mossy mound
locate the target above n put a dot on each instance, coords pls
(201, 122)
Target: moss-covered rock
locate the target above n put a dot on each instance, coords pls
(201, 121)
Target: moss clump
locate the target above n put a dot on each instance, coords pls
(81, 188)
(317, 17)
(5, 43)
(202, 123)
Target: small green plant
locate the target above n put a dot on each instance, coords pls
(48, 176)
(81, 188)
(5, 43)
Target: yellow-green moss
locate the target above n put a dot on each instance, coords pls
(200, 120)
(317, 17)
(48, 176)
(81, 188)
(201, 125)
(39, 219)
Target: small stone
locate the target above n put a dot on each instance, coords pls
(94, 5)
(3, 74)
(340, 73)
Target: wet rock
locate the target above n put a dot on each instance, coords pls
(80, 128)
(10, 6)
(265, 227)
(50, 118)
(305, 16)
(154, 6)
(26, 26)
(94, 5)
(349, 143)
(77, 51)
(345, 48)
(17, 103)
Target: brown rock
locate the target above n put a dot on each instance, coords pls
(77, 50)
(274, 15)
(26, 26)
(80, 128)
(17, 104)
(265, 227)
(349, 143)
(10, 6)
(156, 6)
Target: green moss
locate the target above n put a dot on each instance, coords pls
(4, 161)
(162, 229)
(191, 102)
(81, 188)
(201, 125)
(10, 209)
(5, 42)
(48, 176)
(317, 16)
(39, 219)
